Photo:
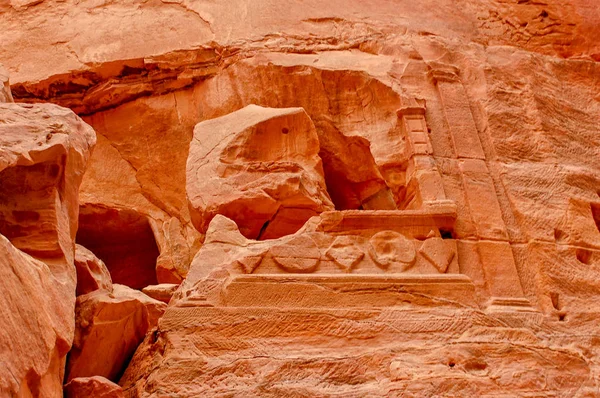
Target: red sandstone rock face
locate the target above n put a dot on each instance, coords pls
(260, 167)
(96, 386)
(92, 274)
(109, 327)
(448, 153)
(43, 154)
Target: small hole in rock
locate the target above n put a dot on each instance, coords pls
(583, 256)
(155, 335)
(263, 229)
(555, 300)
(451, 364)
(285, 130)
(557, 235)
(446, 234)
(543, 14)
(562, 317)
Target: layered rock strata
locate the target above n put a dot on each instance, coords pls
(44, 151)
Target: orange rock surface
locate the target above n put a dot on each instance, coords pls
(260, 167)
(109, 327)
(92, 274)
(96, 386)
(44, 150)
(341, 198)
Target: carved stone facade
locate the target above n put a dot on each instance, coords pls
(300, 199)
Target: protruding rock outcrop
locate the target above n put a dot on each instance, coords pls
(43, 154)
(109, 327)
(429, 227)
(92, 274)
(5, 94)
(162, 292)
(95, 386)
(260, 167)
(44, 150)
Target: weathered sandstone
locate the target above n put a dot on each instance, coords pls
(162, 292)
(36, 326)
(92, 274)
(96, 386)
(342, 198)
(5, 93)
(43, 154)
(260, 167)
(109, 327)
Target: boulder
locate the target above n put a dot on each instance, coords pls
(43, 154)
(162, 292)
(92, 274)
(260, 167)
(95, 386)
(154, 307)
(44, 150)
(109, 327)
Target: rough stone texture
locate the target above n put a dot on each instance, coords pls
(92, 274)
(96, 387)
(162, 292)
(132, 147)
(43, 157)
(260, 167)
(43, 154)
(459, 144)
(5, 93)
(36, 324)
(109, 327)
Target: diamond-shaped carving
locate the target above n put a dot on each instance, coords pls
(345, 253)
(438, 253)
(249, 264)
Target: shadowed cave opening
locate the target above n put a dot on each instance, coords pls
(124, 240)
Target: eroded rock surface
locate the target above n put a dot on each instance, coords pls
(5, 93)
(36, 329)
(260, 167)
(43, 157)
(43, 154)
(109, 327)
(96, 386)
(458, 254)
(92, 274)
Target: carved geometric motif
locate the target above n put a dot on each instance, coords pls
(437, 253)
(391, 248)
(345, 253)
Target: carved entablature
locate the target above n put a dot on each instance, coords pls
(367, 242)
